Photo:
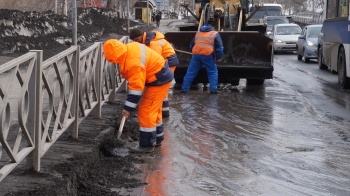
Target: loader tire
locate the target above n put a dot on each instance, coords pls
(255, 81)
(234, 82)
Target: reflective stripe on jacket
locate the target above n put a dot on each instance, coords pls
(143, 67)
(156, 41)
(204, 43)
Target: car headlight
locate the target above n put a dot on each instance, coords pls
(310, 43)
(268, 32)
(278, 41)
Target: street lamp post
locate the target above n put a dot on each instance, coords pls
(289, 7)
(74, 22)
(65, 9)
(128, 16)
(194, 5)
(147, 13)
(55, 6)
(313, 11)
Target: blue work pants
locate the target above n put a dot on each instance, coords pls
(197, 62)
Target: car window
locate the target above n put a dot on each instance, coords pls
(273, 10)
(313, 32)
(259, 14)
(274, 21)
(288, 30)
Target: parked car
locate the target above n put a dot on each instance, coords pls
(307, 42)
(271, 21)
(285, 37)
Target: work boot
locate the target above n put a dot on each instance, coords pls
(140, 149)
(165, 114)
(213, 92)
(158, 144)
(184, 92)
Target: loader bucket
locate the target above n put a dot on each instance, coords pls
(247, 55)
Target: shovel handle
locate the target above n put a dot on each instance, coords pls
(182, 51)
(121, 126)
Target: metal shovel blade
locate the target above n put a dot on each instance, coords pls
(121, 126)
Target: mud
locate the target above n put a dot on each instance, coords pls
(95, 172)
(24, 31)
(91, 164)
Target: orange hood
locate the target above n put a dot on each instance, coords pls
(114, 51)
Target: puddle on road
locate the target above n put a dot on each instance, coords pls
(299, 149)
(250, 141)
(122, 152)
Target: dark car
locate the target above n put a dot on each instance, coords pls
(271, 21)
(307, 42)
(290, 18)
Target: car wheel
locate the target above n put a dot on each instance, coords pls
(342, 79)
(306, 60)
(299, 56)
(321, 65)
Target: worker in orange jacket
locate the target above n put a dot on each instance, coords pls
(156, 41)
(149, 77)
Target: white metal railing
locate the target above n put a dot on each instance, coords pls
(58, 81)
(308, 19)
(40, 100)
(17, 92)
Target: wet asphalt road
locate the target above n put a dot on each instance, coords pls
(290, 136)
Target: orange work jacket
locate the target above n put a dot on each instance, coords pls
(204, 43)
(156, 41)
(142, 67)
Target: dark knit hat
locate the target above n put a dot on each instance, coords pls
(135, 33)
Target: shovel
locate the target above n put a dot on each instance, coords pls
(121, 126)
(182, 51)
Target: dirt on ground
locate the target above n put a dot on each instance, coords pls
(96, 168)
(100, 169)
(24, 31)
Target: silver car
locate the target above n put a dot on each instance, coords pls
(307, 43)
(271, 21)
(285, 37)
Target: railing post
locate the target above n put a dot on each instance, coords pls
(123, 86)
(75, 104)
(98, 83)
(35, 111)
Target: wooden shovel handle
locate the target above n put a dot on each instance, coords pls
(121, 126)
(182, 51)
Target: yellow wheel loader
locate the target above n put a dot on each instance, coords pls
(247, 52)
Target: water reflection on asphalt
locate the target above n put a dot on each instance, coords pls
(265, 140)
